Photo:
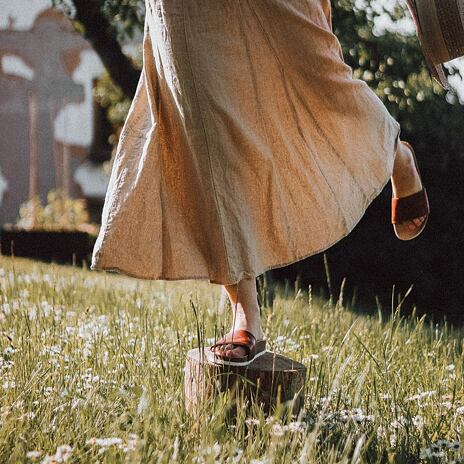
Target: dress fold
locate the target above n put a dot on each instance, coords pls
(248, 145)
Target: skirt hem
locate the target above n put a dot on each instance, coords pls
(251, 275)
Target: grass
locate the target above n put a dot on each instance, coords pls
(92, 371)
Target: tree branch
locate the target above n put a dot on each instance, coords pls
(98, 31)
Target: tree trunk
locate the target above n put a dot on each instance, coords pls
(99, 32)
(269, 381)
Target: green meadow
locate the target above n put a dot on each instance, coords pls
(92, 372)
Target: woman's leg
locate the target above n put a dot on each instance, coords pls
(244, 297)
(406, 181)
(245, 313)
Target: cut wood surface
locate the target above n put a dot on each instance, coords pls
(270, 380)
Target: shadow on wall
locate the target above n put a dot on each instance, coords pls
(50, 51)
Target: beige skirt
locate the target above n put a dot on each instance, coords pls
(248, 145)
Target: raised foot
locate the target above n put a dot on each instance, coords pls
(409, 204)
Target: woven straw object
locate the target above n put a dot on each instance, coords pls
(440, 29)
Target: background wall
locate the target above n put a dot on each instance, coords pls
(40, 53)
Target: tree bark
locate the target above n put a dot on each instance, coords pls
(270, 380)
(99, 32)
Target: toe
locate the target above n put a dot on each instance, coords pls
(411, 225)
(408, 229)
(234, 351)
(415, 223)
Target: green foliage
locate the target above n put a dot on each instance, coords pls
(125, 16)
(60, 213)
(92, 368)
(128, 15)
(392, 63)
(110, 97)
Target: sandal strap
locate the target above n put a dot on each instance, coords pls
(239, 337)
(410, 207)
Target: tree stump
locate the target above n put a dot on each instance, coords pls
(271, 380)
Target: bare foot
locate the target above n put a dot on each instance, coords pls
(406, 181)
(245, 315)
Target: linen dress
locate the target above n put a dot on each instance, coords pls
(248, 145)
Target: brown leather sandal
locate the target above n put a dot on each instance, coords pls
(243, 338)
(412, 206)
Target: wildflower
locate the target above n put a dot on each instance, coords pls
(70, 330)
(131, 443)
(143, 402)
(104, 442)
(8, 384)
(252, 421)
(214, 451)
(9, 350)
(447, 404)
(87, 352)
(425, 453)
(77, 403)
(398, 423)
(175, 446)
(438, 454)
(296, 426)
(47, 308)
(438, 449)
(359, 417)
(62, 454)
(325, 400)
(418, 421)
(450, 367)
(6, 308)
(33, 454)
(24, 293)
(52, 350)
(421, 395)
(237, 455)
(277, 430)
(307, 359)
(454, 446)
